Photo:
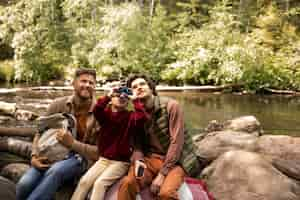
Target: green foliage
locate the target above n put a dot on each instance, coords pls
(6, 71)
(40, 42)
(254, 43)
(125, 41)
(210, 55)
(220, 53)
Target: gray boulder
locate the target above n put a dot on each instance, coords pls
(7, 189)
(237, 175)
(245, 165)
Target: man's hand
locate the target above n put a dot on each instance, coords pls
(65, 138)
(40, 162)
(156, 183)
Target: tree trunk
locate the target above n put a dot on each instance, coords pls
(152, 5)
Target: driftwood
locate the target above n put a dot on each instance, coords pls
(8, 108)
(16, 146)
(18, 131)
(12, 110)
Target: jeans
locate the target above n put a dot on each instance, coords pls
(42, 184)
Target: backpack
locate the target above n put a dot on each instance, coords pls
(48, 126)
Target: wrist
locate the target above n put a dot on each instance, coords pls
(73, 144)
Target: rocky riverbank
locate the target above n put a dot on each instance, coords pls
(238, 161)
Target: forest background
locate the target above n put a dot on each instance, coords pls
(252, 43)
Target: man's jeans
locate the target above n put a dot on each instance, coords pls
(42, 185)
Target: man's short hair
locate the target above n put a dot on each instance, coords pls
(149, 81)
(80, 71)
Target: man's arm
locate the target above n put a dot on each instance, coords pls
(89, 151)
(176, 128)
(55, 106)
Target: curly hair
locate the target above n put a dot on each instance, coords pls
(149, 81)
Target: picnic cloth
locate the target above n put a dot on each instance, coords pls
(191, 189)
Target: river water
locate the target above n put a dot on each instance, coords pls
(277, 114)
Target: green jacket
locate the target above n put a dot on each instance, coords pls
(160, 126)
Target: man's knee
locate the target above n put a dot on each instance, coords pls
(128, 181)
(23, 188)
(53, 171)
(25, 183)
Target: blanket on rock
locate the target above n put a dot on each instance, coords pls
(191, 189)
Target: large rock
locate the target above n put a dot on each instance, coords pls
(12, 110)
(247, 166)
(7, 189)
(283, 152)
(216, 143)
(248, 124)
(14, 171)
(241, 175)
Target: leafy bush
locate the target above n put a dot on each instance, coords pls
(6, 71)
(212, 54)
(219, 53)
(39, 41)
(220, 42)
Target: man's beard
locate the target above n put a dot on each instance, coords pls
(84, 97)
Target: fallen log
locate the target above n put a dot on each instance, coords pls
(8, 108)
(16, 146)
(18, 131)
(12, 109)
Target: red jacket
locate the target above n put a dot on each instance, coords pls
(118, 129)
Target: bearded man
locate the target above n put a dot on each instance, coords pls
(43, 179)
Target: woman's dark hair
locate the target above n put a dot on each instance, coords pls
(149, 81)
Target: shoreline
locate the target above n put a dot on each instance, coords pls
(159, 88)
